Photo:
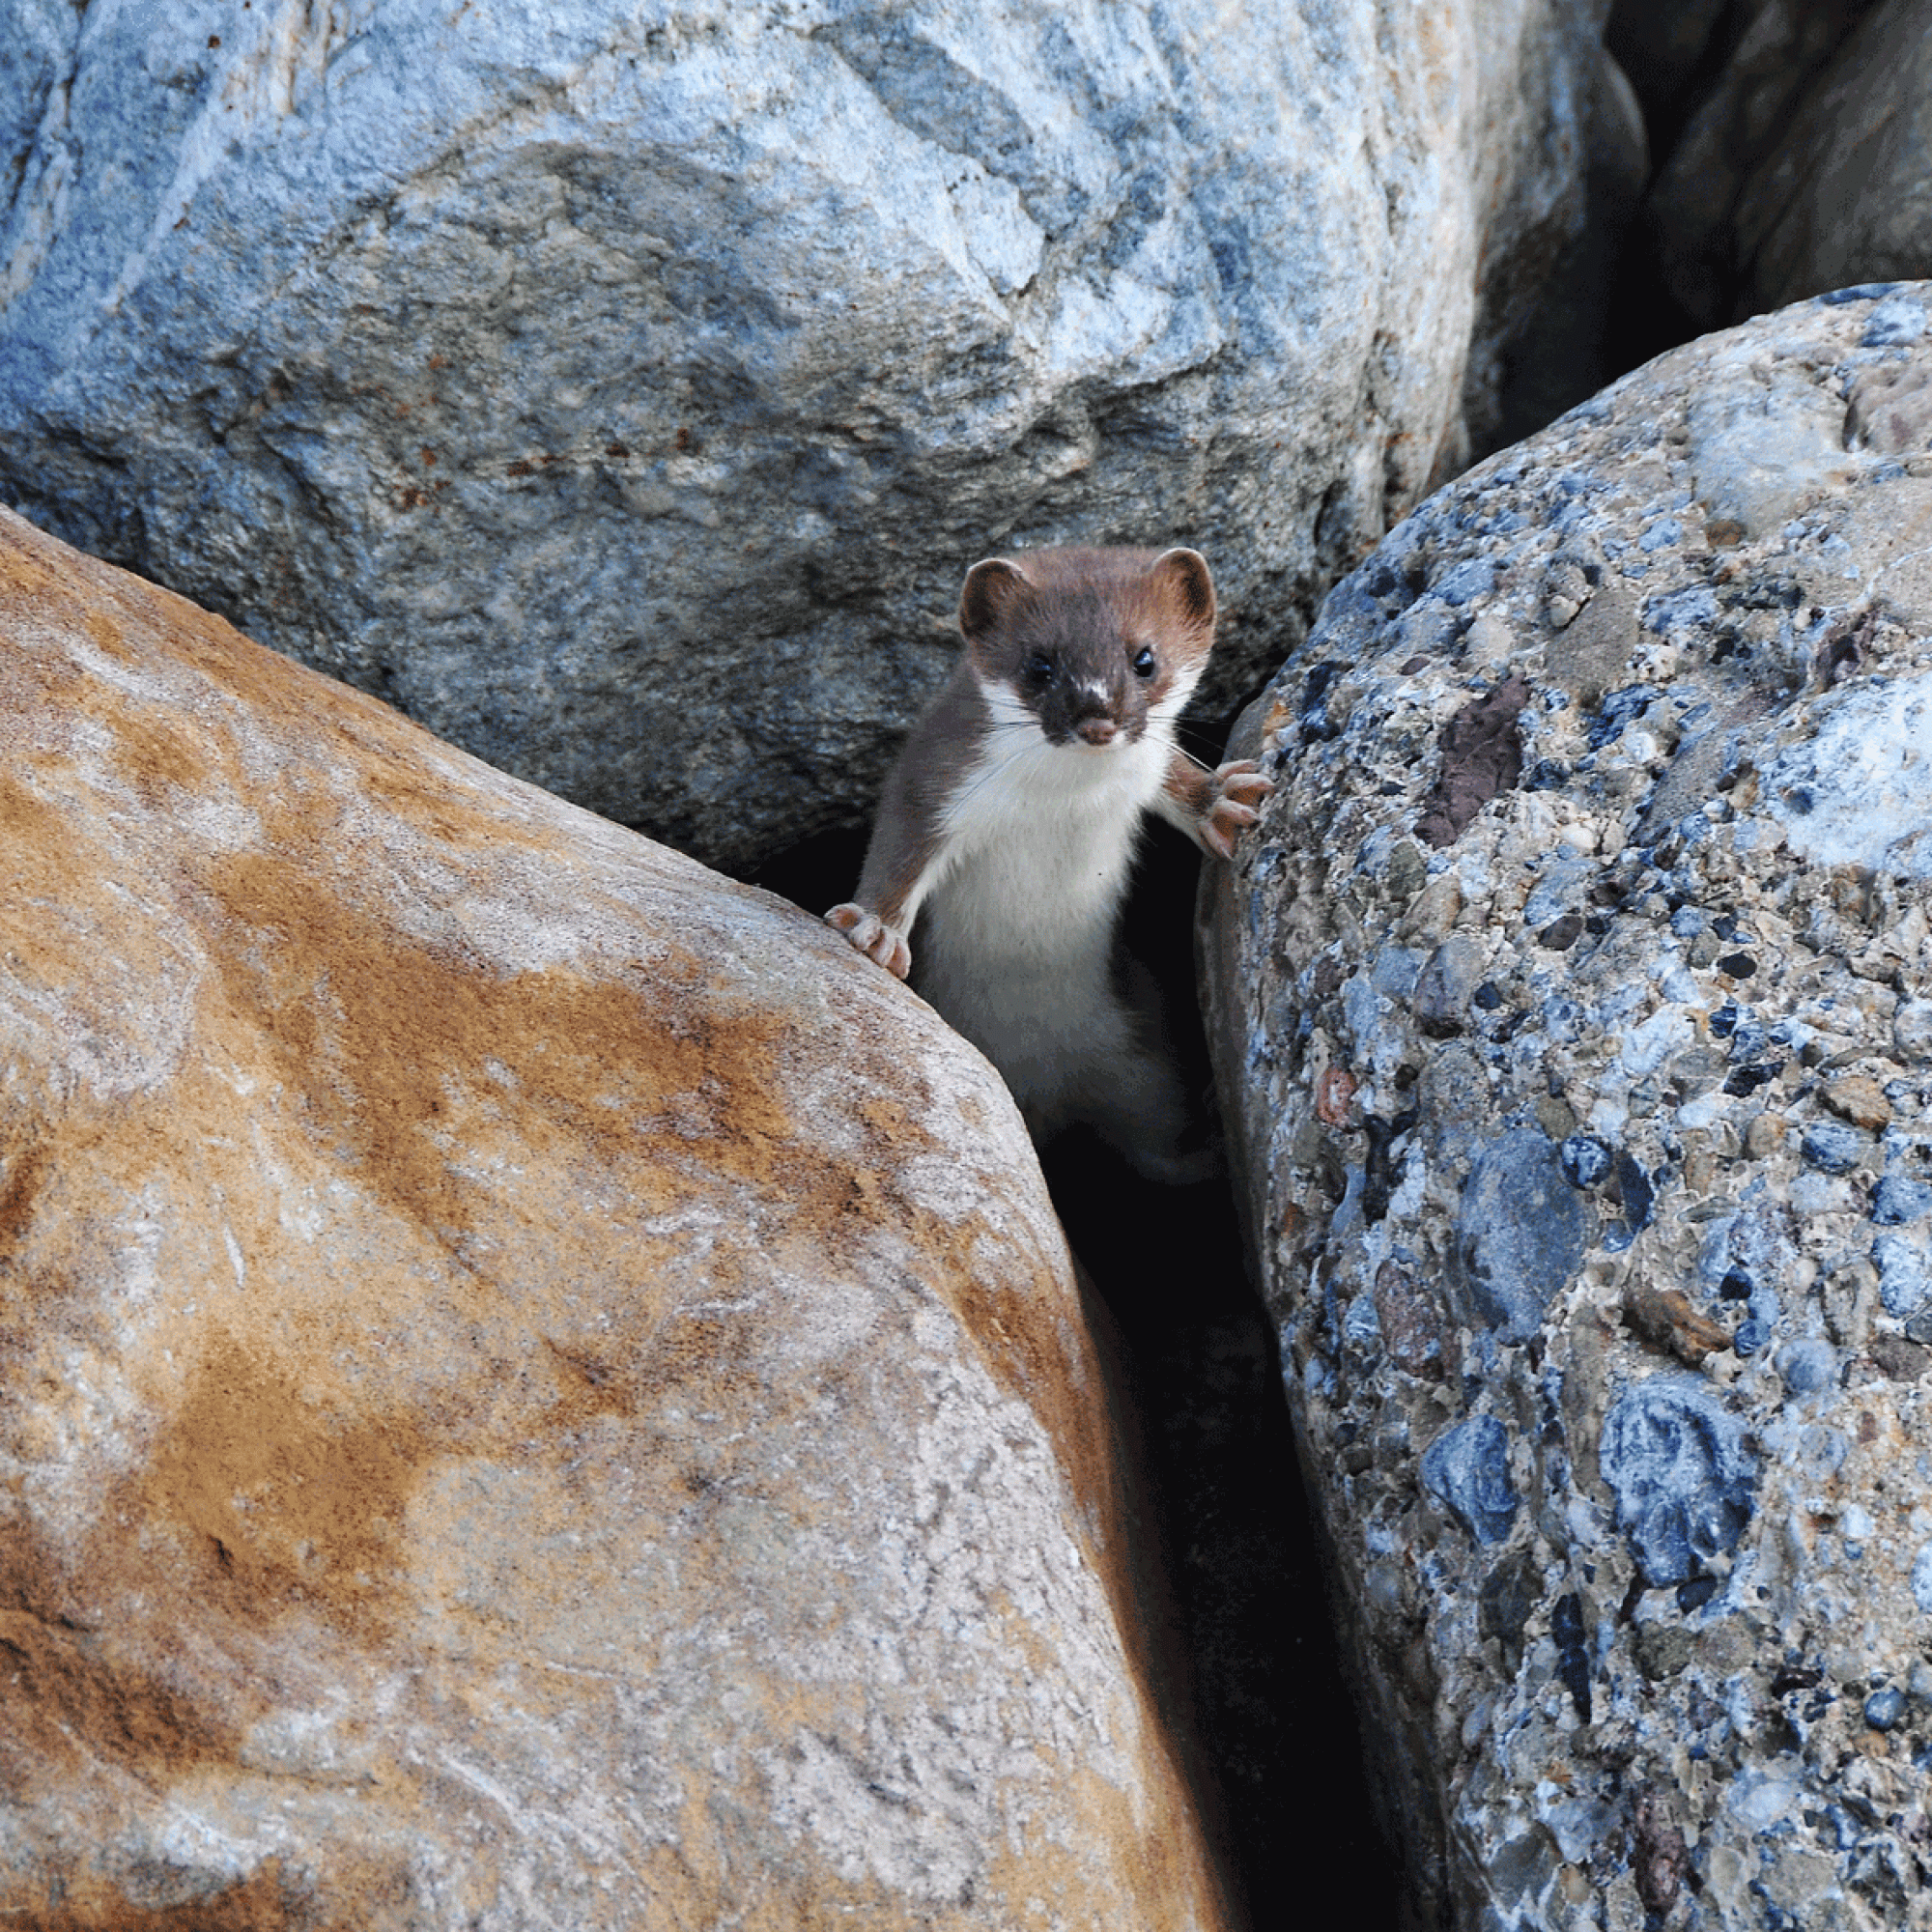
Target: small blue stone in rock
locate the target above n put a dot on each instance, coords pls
(1665, 530)
(1476, 578)
(1616, 711)
(1898, 1199)
(1834, 1146)
(1751, 1336)
(1685, 1482)
(1807, 1366)
(1573, 1654)
(1696, 1592)
(1520, 1236)
(1884, 1709)
(1467, 1467)
(1428, 627)
(1898, 319)
(1904, 1274)
(1638, 1194)
(1586, 1160)
(1693, 605)
(1362, 1327)
(1687, 923)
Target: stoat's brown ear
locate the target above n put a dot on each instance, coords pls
(991, 587)
(1183, 574)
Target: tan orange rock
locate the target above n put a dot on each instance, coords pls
(536, 1388)
(1859, 1098)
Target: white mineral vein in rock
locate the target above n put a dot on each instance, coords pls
(1859, 794)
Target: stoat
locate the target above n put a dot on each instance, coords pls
(1006, 830)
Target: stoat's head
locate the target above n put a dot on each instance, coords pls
(1092, 644)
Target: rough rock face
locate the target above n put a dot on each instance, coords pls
(535, 1387)
(1574, 1004)
(624, 391)
(1846, 195)
(1764, 195)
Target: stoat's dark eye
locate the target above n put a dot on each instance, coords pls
(1038, 667)
(1144, 662)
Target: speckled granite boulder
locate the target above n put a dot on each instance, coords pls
(623, 390)
(1572, 1002)
(537, 1389)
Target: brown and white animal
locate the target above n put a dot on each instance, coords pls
(1006, 830)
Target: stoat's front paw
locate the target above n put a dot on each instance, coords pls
(1238, 790)
(884, 944)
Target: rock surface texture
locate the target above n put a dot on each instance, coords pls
(624, 391)
(536, 1388)
(1573, 1006)
(1807, 163)
(1846, 194)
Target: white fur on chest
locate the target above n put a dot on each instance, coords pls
(1039, 841)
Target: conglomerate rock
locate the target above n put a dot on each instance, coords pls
(624, 390)
(536, 1388)
(1573, 1001)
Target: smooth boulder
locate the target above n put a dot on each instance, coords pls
(538, 1387)
(625, 392)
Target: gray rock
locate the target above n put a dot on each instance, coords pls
(1774, 52)
(1904, 1272)
(1676, 1462)
(1443, 987)
(1834, 1146)
(1807, 1366)
(1659, 44)
(1758, 452)
(1853, 794)
(1912, 1032)
(1844, 196)
(1521, 1234)
(1898, 1198)
(1467, 1466)
(1699, 1525)
(625, 392)
(1884, 1710)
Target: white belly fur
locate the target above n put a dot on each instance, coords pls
(1015, 938)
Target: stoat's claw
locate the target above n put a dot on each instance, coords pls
(882, 944)
(1243, 780)
(1239, 787)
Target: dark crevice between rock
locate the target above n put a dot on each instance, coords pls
(1254, 1636)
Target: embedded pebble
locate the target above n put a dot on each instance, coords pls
(1898, 1198)
(1467, 1467)
(1904, 1272)
(1807, 1366)
(1834, 1146)
(1651, 1133)
(1519, 1235)
(1676, 1460)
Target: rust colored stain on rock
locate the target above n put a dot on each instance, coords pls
(279, 1496)
(1482, 755)
(539, 1377)
(257, 1904)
